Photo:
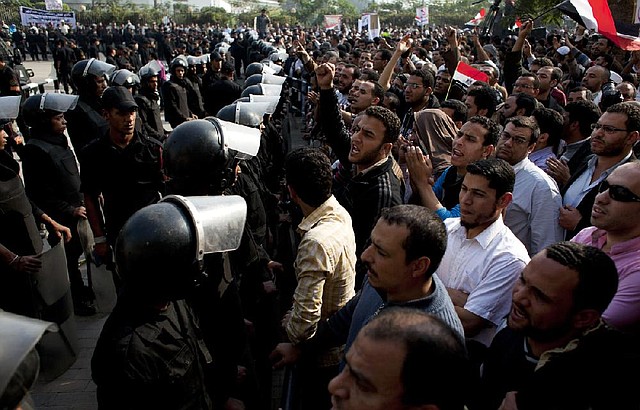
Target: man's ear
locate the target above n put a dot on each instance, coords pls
(386, 147)
(429, 90)
(504, 200)
(586, 318)
(292, 193)
(487, 151)
(542, 139)
(420, 266)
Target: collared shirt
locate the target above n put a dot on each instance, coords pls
(534, 211)
(484, 267)
(539, 157)
(624, 310)
(582, 185)
(571, 149)
(325, 269)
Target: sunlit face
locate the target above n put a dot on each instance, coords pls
(478, 202)
(367, 142)
(468, 145)
(385, 257)
(615, 216)
(612, 144)
(514, 144)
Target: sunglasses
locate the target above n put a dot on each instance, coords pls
(618, 192)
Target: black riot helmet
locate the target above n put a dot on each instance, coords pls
(160, 249)
(252, 80)
(253, 68)
(84, 72)
(249, 114)
(19, 360)
(178, 62)
(38, 109)
(252, 89)
(124, 78)
(200, 156)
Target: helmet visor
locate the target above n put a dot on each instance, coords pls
(273, 79)
(272, 100)
(98, 68)
(9, 107)
(242, 139)
(58, 102)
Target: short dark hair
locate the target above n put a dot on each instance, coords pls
(429, 343)
(308, 172)
(536, 81)
(356, 70)
(527, 102)
(585, 112)
(500, 174)
(425, 75)
(385, 54)
(550, 122)
(369, 74)
(526, 122)
(587, 92)
(493, 129)
(484, 97)
(542, 62)
(427, 233)
(389, 119)
(597, 273)
(631, 110)
(459, 109)
(392, 101)
(378, 91)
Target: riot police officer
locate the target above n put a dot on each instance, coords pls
(85, 121)
(52, 180)
(150, 353)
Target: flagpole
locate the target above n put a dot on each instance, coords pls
(549, 10)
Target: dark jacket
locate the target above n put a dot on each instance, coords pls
(594, 375)
(362, 195)
(176, 106)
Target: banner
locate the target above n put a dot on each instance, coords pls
(596, 15)
(53, 4)
(422, 15)
(30, 16)
(332, 21)
(370, 22)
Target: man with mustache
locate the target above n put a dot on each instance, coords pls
(612, 141)
(556, 353)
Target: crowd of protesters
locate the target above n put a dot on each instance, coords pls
(507, 209)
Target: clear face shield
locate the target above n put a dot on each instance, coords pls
(57, 102)
(9, 108)
(98, 68)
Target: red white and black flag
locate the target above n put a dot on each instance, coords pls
(596, 15)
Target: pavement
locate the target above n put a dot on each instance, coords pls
(74, 389)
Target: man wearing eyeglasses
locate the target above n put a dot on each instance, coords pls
(616, 230)
(612, 140)
(533, 213)
(418, 93)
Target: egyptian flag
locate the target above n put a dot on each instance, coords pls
(477, 19)
(463, 78)
(596, 15)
